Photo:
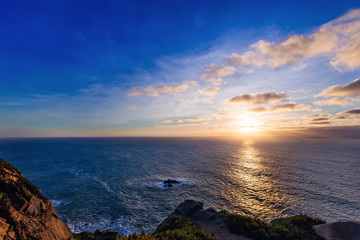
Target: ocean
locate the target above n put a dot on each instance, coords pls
(117, 183)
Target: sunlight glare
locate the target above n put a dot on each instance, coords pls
(248, 126)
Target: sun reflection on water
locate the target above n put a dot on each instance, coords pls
(253, 192)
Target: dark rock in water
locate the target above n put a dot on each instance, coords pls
(339, 230)
(26, 213)
(168, 185)
(170, 180)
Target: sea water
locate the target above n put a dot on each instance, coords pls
(117, 183)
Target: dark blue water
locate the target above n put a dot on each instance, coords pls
(116, 182)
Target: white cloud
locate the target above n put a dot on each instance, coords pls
(338, 39)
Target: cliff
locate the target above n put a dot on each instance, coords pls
(24, 212)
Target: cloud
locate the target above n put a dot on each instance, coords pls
(321, 123)
(259, 98)
(299, 91)
(196, 119)
(323, 115)
(339, 118)
(173, 121)
(319, 119)
(338, 39)
(131, 107)
(333, 101)
(193, 124)
(154, 91)
(290, 107)
(352, 89)
(183, 125)
(220, 71)
(354, 112)
(209, 91)
(213, 81)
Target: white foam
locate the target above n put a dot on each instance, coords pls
(58, 203)
(124, 224)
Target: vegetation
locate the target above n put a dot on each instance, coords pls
(178, 228)
(292, 228)
(4, 164)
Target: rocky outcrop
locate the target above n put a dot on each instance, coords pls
(339, 230)
(209, 219)
(170, 182)
(24, 212)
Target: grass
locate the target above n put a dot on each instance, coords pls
(293, 228)
(178, 228)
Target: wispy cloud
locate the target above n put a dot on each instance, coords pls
(352, 89)
(212, 80)
(155, 91)
(259, 98)
(220, 71)
(290, 107)
(195, 119)
(338, 39)
(209, 91)
(131, 107)
(173, 121)
(322, 115)
(334, 101)
(354, 112)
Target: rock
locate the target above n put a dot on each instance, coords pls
(24, 212)
(188, 208)
(84, 235)
(105, 235)
(170, 180)
(209, 220)
(339, 230)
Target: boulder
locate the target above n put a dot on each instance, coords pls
(188, 208)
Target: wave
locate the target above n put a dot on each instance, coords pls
(58, 203)
(124, 224)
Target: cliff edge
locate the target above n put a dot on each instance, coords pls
(24, 212)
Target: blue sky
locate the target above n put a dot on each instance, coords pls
(141, 68)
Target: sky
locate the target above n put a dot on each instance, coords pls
(179, 68)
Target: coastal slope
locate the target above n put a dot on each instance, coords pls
(24, 212)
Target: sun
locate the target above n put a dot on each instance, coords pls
(248, 126)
